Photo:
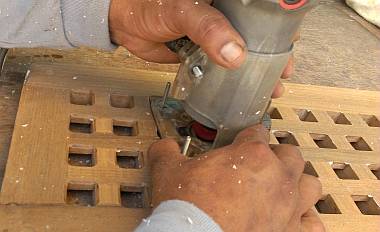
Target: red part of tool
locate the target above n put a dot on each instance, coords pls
(203, 132)
(287, 6)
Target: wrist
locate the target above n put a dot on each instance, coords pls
(177, 215)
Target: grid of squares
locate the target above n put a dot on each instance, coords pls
(329, 138)
(349, 183)
(357, 142)
(84, 158)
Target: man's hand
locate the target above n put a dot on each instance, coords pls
(246, 186)
(143, 27)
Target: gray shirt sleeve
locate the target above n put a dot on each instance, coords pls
(178, 216)
(55, 23)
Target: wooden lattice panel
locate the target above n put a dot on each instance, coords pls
(81, 138)
(78, 144)
(338, 133)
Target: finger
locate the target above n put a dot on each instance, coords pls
(291, 157)
(163, 152)
(310, 222)
(278, 90)
(256, 133)
(289, 69)
(310, 190)
(147, 50)
(210, 29)
(294, 224)
(158, 53)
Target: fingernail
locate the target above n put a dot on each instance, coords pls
(231, 51)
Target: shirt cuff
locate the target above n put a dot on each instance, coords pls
(85, 23)
(181, 216)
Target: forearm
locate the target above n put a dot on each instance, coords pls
(175, 215)
(55, 23)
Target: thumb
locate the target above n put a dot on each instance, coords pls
(210, 29)
(256, 133)
(164, 152)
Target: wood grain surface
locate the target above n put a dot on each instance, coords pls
(63, 219)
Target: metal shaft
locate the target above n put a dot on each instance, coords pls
(3, 53)
(166, 94)
(186, 145)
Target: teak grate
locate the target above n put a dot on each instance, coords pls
(103, 150)
(81, 137)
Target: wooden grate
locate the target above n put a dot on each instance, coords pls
(341, 149)
(81, 136)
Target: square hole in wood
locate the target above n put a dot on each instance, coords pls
(366, 204)
(375, 169)
(80, 194)
(306, 115)
(125, 128)
(129, 159)
(309, 169)
(323, 141)
(327, 205)
(132, 197)
(344, 171)
(81, 155)
(119, 100)
(358, 143)
(80, 124)
(82, 97)
(274, 113)
(285, 137)
(371, 120)
(339, 118)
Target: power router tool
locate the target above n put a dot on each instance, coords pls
(211, 104)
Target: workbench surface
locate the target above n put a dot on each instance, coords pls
(337, 48)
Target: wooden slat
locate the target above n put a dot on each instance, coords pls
(37, 155)
(350, 223)
(55, 218)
